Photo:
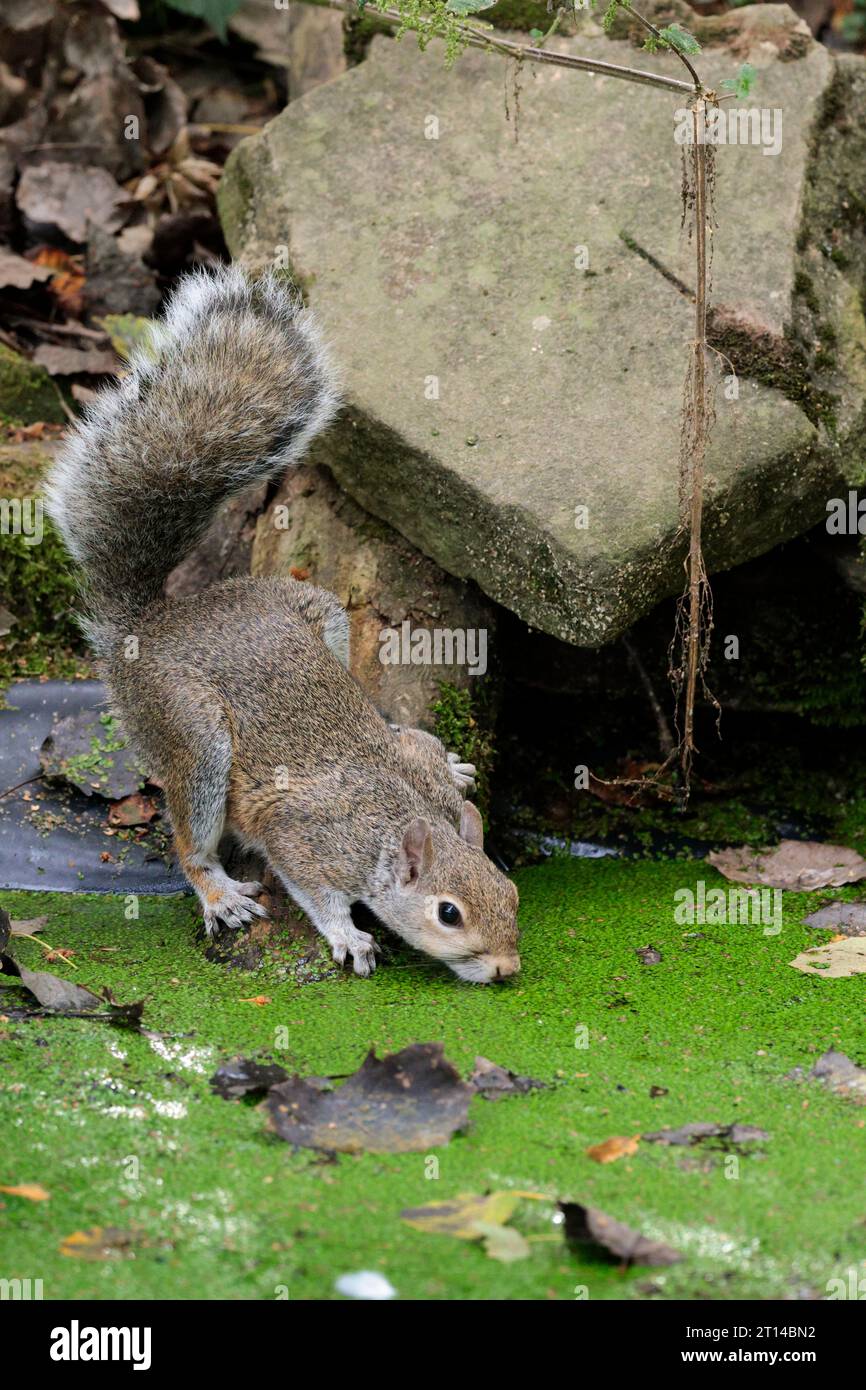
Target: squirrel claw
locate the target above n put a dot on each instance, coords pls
(462, 773)
(363, 950)
(235, 908)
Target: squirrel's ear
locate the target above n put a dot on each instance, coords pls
(416, 851)
(472, 826)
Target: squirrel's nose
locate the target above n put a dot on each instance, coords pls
(505, 966)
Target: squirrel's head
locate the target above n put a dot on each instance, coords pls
(444, 896)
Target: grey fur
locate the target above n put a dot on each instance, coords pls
(240, 699)
(237, 386)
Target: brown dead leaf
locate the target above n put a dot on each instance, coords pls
(17, 273)
(492, 1081)
(587, 1226)
(30, 1191)
(137, 809)
(67, 280)
(21, 434)
(649, 955)
(29, 927)
(620, 1146)
(838, 1073)
(67, 196)
(798, 865)
(848, 919)
(98, 1243)
(69, 361)
(165, 104)
(407, 1102)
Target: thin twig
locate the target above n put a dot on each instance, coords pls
(666, 739)
(696, 574)
(476, 38)
(19, 785)
(623, 4)
(69, 330)
(46, 947)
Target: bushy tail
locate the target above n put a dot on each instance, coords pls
(235, 386)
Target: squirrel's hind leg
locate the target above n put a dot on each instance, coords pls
(323, 612)
(431, 752)
(196, 796)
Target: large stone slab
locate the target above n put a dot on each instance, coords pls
(494, 388)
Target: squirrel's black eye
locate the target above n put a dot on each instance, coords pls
(449, 913)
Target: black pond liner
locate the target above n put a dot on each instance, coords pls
(67, 858)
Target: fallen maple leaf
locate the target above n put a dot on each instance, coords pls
(611, 1149)
(30, 1191)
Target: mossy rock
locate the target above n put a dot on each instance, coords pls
(523, 15)
(561, 504)
(27, 393)
(37, 582)
(39, 586)
(23, 466)
(466, 722)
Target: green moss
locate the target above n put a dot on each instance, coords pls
(465, 722)
(804, 286)
(27, 393)
(122, 1129)
(38, 584)
(235, 197)
(359, 32)
(523, 15)
(779, 362)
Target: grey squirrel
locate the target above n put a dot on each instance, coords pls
(239, 698)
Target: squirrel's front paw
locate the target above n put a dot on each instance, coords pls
(362, 948)
(462, 773)
(232, 906)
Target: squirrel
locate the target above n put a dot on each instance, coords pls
(239, 698)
